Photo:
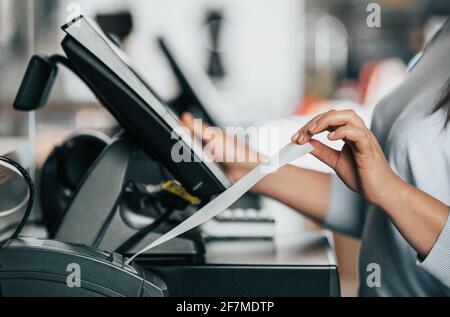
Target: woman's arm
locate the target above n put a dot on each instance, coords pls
(301, 189)
(418, 216)
(304, 190)
(363, 167)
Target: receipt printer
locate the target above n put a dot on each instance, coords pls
(45, 268)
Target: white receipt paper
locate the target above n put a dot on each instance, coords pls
(286, 155)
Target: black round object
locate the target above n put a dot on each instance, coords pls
(64, 170)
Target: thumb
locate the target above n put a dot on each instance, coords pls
(325, 153)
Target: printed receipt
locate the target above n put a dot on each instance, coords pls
(286, 155)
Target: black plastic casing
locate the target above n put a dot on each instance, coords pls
(140, 122)
(36, 84)
(42, 268)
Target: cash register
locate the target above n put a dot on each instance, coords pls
(184, 266)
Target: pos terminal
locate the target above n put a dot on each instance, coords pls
(94, 217)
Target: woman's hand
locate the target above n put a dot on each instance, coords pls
(361, 163)
(363, 167)
(236, 157)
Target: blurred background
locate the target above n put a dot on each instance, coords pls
(269, 62)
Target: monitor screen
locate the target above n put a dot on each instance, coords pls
(108, 72)
(191, 98)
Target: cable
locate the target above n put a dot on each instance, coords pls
(138, 236)
(30, 203)
(170, 195)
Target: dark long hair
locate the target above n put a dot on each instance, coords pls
(444, 103)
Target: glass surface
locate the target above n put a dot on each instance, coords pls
(13, 190)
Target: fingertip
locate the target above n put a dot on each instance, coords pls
(332, 135)
(316, 146)
(312, 128)
(301, 139)
(187, 116)
(295, 137)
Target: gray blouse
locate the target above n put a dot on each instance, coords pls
(417, 146)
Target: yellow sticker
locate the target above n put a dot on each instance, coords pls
(178, 190)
